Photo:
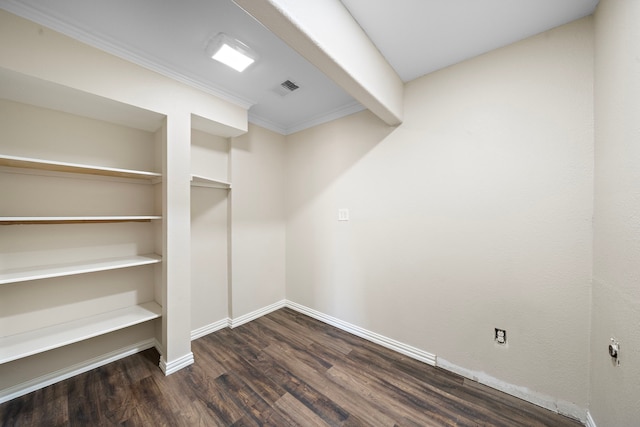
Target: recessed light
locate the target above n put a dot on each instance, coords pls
(230, 52)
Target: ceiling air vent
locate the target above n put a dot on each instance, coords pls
(286, 87)
(288, 84)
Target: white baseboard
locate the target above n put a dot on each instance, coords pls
(389, 343)
(561, 407)
(175, 365)
(234, 323)
(208, 329)
(79, 368)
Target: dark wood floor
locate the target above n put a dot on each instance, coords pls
(283, 369)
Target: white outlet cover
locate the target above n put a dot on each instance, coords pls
(343, 214)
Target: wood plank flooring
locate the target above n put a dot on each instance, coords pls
(284, 369)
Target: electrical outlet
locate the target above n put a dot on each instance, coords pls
(501, 336)
(614, 351)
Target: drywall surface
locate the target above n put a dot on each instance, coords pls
(37, 52)
(615, 391)
(358, 67)
(209, 232)
(257, 221)
(474, 214)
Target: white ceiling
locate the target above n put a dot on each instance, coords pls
(415, 36)
(420, 36)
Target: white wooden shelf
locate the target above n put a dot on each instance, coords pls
(48, 271)
(9, 220)
(54, 166)
(126, 184)
(202, 181)
(29, 343)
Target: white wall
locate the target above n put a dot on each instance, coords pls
(257, 221)
(34, 51)
(475, 213)
(615, 391)
(209, 232)
(248, 222)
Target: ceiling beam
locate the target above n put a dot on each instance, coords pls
(325, 33)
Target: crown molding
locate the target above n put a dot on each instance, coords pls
(108, 45)
(266, 123)
(337, 113)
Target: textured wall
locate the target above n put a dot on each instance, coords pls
(615, 391)
(475, 213)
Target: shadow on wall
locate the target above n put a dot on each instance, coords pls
(317, 157)
(324, 271)
(205, 203)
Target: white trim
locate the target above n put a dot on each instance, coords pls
(555, 405)
(210, 328)
(562, 407)
(234, 323)
(407, 350)
(266, 123)
(106, 44)
(73, 370)
(337, 113)
(558, 406)
(175, 365)
(75, 31)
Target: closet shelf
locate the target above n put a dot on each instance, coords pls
(9, 220)
(17, 346)
(54, 166)
(68, 269)
(202, 181)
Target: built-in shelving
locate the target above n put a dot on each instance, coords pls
(71, 157)
(55, 166)
(202, 181)
(68, 269)
(17, 346)
(10, 220)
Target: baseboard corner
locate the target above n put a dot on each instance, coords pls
(235, 322)
(175, 365)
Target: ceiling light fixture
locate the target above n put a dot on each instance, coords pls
(231, 52)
